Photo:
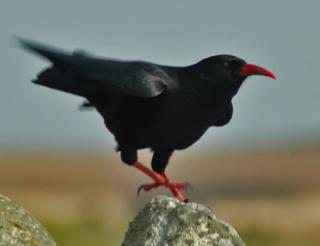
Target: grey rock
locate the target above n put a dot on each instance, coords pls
(19, 228)
(165, 221)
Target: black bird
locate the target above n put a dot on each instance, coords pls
(146, 105)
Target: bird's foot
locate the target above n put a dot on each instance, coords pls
(174, 187)
(162, 180)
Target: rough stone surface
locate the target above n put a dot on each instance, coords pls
(166, 221)
(18, 227)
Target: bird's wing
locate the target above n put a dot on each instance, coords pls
(139, 79)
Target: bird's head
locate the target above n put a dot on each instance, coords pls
(231, 70)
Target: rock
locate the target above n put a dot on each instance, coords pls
(166, 221)
(18, 227)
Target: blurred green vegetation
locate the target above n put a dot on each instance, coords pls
(87, 232)
(262, 237)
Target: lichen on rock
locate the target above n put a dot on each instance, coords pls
(19, 228)
(166, 221)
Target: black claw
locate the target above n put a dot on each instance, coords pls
(139, 189)
(189, 187)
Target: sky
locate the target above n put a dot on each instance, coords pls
(282, 36)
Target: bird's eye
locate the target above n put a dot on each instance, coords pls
(226, 64)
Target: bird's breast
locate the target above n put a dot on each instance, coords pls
(166, 121)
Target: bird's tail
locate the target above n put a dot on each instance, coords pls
(62, 80)
(59, 76)
(58, 57)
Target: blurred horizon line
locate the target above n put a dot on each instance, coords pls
(107, 149)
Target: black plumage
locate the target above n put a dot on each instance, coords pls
(146, 105)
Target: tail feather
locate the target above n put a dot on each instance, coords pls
(59, 79)
(58, 57)
(62, 75)
(59, 76)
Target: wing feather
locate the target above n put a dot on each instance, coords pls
(139, 79)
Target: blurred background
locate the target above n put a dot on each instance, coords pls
(261, 173)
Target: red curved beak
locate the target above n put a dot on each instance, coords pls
(250, 69)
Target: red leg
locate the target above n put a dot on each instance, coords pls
(161, 180)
